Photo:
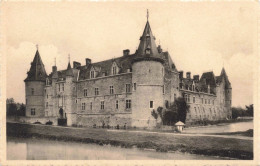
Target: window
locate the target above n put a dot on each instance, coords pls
(209, 101)
(163, 89)
(96, 91)
(111, 90)
(114, 72)
(193, 99)
(62, 87)
(92, 74)
(188, 98)
(32, 111)
(83, 106)
(128, 104)
(47, 104)
(116, 104)
(134, 86)
(32, 90)
(205, 101)
(151, 104)
(201, 100)
(76, 101)
(90, 105)
(193, 87)
(213, 102)
(127, 88)
(47, 96)
(195, 110)
(59, 87)
(85, 92)
(102, 105)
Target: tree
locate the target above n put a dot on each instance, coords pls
(250, 110)
(177, 111)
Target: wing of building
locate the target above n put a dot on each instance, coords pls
(123, 91)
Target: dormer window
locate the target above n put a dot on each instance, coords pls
(193, 86)
(148, 51)
(92, 73)
(208, 88)
(114, 69)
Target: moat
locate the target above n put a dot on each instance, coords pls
(39, 149)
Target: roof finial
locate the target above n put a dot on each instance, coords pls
(55, 61)
(69, 58)
(147, 14)
(37, 46)
(159, 42)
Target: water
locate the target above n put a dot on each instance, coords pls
(40, 149)
(221, 128)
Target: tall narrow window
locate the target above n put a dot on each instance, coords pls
(128, 104)
(174, 96)
(163, 89)
(96, 91)
(32, 90)
(32, 111)
(83, 106)
(111, 89)
(59, 87)
(151, 104)
(47, 96)
(117, 104)
(102, 105)
(90, 105)
(127, 88)
(114, 70)
(47, 104)
(85, 92)
(194, 99)
(201, 100)
(92, 74)
(188, 98)
(134, 87)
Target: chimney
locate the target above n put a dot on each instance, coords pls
(88, 61)
(196, 77)
(54, 69)
(76, 64)
(180, 74)
(188, 75)
(126, 52)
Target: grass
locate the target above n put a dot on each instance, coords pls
(248, 133)
(224, 147)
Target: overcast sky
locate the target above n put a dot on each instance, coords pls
(199, 36)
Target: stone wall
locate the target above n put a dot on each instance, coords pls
(107, 119)
(42, 120)
(35, 100)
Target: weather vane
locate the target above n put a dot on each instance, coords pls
(37, 46)
(147, 14)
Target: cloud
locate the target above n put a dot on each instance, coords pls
(18, 63)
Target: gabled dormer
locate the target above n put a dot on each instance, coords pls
(114, 68)
(92, 73)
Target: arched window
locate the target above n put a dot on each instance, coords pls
(114, 69)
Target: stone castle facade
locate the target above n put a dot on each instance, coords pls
(124, 90)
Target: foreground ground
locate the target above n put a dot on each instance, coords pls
(207, 145)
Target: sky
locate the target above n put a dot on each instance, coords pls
(200, 37)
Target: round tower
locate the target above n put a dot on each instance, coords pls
(147, 77)
(147, 80)
(34, 88)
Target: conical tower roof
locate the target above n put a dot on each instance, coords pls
(147, 42)
(224, 75)
(69, 71)
(37, 71)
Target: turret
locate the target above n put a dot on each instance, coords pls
(147, 80)
(34, 87)
(70, 105)
(228, 92)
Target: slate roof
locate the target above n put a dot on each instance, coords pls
(37, 71)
